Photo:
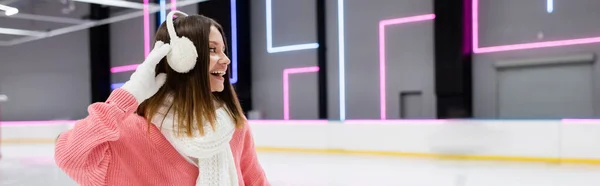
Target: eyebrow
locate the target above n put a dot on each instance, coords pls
(214, 42)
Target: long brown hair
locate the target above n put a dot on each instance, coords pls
(192, 98)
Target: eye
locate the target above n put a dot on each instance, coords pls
(213, 50)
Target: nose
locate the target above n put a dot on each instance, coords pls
(225, 60)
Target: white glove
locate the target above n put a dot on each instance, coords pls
(144, 82)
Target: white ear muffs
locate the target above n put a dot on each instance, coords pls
(183, 55)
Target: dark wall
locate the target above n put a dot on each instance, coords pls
(239, 50)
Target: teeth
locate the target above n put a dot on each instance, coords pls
(218, 72)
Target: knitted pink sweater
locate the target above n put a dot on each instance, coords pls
(112, 146)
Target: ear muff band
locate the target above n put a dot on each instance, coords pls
(170, 27)
(183, 55)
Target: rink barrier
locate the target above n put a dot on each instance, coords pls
(430, 156)
(373, 153)
(542, 141)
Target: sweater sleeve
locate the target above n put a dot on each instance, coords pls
(83, 152)
(252, 171)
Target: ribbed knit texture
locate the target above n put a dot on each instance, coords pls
(112, 146)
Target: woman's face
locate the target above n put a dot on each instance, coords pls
(218, 60)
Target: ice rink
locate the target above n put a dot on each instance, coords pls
(33, 165)
(335, 92)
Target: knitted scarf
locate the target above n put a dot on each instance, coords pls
(211, 152)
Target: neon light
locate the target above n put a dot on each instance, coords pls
(341, 60)
(37, 161)
(116, 85)
(287, 122)
(266, 122)
(50, 122)
(288, 48)
(549, 6)
(146, 11)
(234, 49)
(234, 57)
(403, 121)
(286, 86)
(125, 68)
(475, 25)
(580, 121)
(163, 10)
(523, 46)
(309, 122)
(9, 11)
(538, 45)
(382, 24)
(146, 28)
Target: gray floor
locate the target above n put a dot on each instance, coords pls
(26, 165)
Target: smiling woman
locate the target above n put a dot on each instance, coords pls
(198, 83)
(188, 125)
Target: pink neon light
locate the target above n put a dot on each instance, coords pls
(307, 122)
(50, 122)
(475, 25)
(123, 68)
(38, 161)
(537, 45)
(279, 122)
(63, 122)
(403, 121)
(146, 11)
(270, 122)
(127, 68)
(580, 121)
(286, 86)
(546, 44)
(382, 24)
(146, 28)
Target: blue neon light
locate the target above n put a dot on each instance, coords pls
(341, 60)
(163, 10)
(288, 48)
(234, 47)
(116, 85)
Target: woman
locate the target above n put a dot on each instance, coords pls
(147, 132)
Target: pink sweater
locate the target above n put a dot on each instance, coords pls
(112, 146)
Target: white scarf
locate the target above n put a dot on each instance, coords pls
(211, 153)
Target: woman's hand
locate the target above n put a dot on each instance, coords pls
(144, 82)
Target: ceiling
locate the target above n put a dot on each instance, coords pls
(61, 8)
(40, 19)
